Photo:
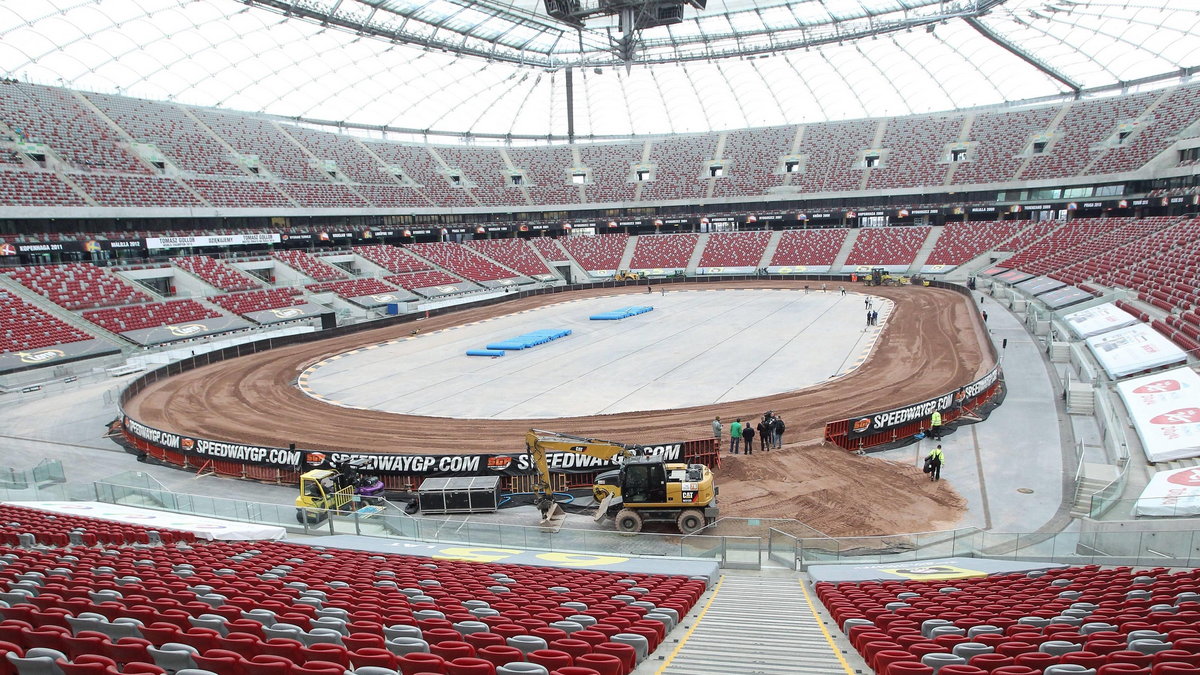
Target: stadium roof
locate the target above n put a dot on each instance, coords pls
(504, 68)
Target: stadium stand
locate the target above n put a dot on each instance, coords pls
(1085, 124)
(323, 195)
(549, 248)
(421, 167)
(1028, 235)
(679, 167)
(514, 254)
(916, 146)
(547, 168)
(350, 158)
(28, 188)
(461, 261)
(185, 143)
(392, 195)
(352, 288)
(423, 279)
(1180, 109)
(735, 249)
(753, 155)
(391, 258)
(668, 251)
(250, 135)
(962, 241)
(809, 247)
(233, 618)
(1021, 621)
(77, 285)
(611, 167)
(1000, 139)
(27, 327)
(114, 190)
(259, 300)
(601, 252)
(238, 193)
(317, 269)
(215, 273)
(832, 149)
(486, 168)
(149, 315)
(1063, 238)
(1095, 236)
(58, 119)
(887, 245)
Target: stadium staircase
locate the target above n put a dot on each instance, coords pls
(627, 256)
(755, 624)
(697, 253)
(769, 252)
(847, 246)
(918, 262)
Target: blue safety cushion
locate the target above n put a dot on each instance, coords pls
(485, 352)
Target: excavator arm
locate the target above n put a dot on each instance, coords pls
(538, 442)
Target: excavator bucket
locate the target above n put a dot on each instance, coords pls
(552, 518)
(602, 510)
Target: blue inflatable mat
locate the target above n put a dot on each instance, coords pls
(539, 337)
(622, 313)
(485, 352)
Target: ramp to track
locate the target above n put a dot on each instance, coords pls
(756, 624)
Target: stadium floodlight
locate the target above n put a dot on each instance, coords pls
(633, 16)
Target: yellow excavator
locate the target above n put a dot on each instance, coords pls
(645, 489)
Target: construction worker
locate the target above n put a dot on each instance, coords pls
(935, 459)
(935, 426)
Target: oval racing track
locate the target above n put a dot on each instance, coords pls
(932, 342)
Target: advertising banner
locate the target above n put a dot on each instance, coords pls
(1171, 493)
(1165, 409)
(286, 313)
(183, 331)
(224, 240)
(1064, 297)
(897, 417)
(1132, 349)
(49, 356)
(381, 299)
(707, 271)
(1098, 319)
(511, 464)
(1039, 285)
(797, 269)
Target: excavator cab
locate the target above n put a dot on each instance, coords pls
(643, 482)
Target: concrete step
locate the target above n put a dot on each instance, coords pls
(769, 252)
(918, 262)
(756, 625)
(627, 256)
(844, 253)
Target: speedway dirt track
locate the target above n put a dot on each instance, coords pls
(933, 342)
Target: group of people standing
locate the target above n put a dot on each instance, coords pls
(741, 434)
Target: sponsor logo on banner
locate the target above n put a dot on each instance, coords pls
(1189, 477)
(8, 249)
(890, 419)
(287, 312)
(41, 355)
(447, 289)
(384, 297)
(391, 464)
(91, 246)
(1180, 416)
(1158, 387)
(861, 425)
(186, 329)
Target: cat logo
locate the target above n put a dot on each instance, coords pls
(287, 312)
(41, 355)
(187, 329)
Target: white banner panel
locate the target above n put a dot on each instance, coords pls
(227, 240)
(704, 271)
(1098, 319)
(1171, 493)
(1165, 409)
(203, 528)
(1133, 349)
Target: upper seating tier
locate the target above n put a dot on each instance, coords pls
(77, 285)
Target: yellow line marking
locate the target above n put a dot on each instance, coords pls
(821, 624)
(688, 634)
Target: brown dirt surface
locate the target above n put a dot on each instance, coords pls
(933, 342)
